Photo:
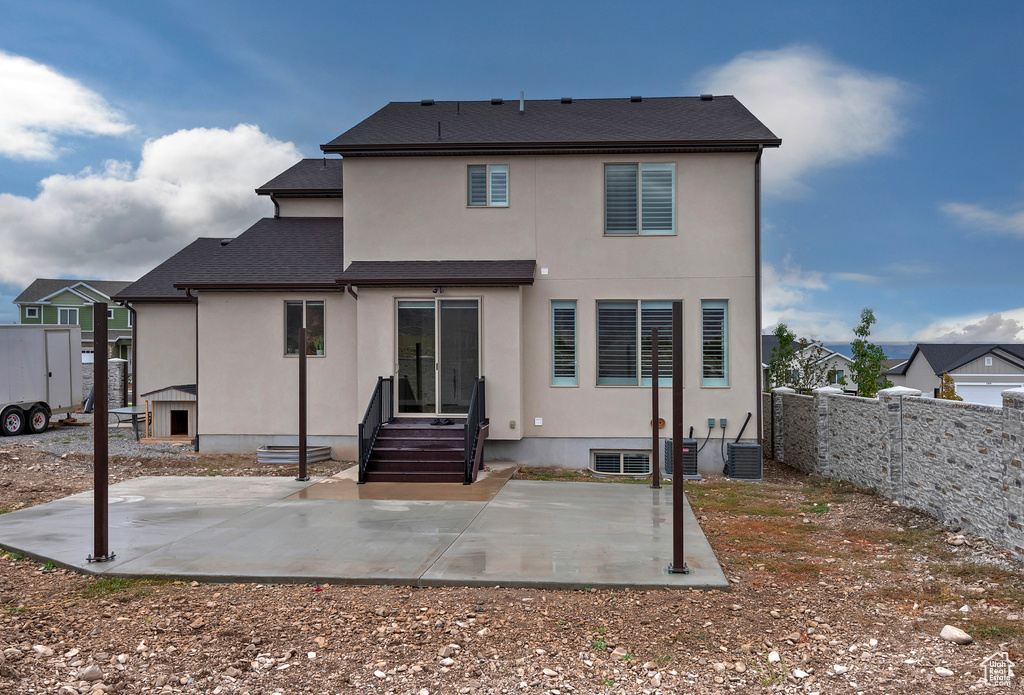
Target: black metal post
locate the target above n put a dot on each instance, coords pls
(678, 565)
(655, 428)
(100, 451)
(302, 406)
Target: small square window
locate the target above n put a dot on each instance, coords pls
(32, 312)
(487, 185)
(988, 361)
(110, 314)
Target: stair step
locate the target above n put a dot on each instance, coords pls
(384, 454)
(417, 466)
(423, 432)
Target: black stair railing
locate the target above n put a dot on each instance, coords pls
(476, 421)
(380, 411)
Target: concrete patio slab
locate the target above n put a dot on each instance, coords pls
(521, 533)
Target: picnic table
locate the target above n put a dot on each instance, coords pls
(132, 413)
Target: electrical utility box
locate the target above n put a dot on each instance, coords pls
(689, 459)
(745, 461)
(40, 375)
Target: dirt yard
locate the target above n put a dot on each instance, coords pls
(834, 591)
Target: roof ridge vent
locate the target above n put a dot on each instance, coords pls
(426, 102)
(707, 97)
(497, 101)
(566, 100)
(636, 99)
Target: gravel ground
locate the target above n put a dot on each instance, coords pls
(76, 437)
(834, 591)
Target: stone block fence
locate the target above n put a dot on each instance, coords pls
(958, 462)
(117, 372)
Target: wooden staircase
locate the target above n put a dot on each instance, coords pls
(411, 450)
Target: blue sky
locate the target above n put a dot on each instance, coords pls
(127, 129)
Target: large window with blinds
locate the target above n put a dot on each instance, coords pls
(639, 198)
(487, 185)
(563, 343)
(714, 342)
(624, 342)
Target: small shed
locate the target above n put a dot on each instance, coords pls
(173, 411)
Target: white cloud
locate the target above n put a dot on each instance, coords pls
(39, 103)
(862, 278)
(119, 222)
(826, 113)
(784, 293)
(985, 219)
(1003, 327)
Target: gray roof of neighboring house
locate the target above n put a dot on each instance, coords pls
(310, 177)
(551, 125)
(158, 284)
(44, 287)
(944, 357)
(431, 273)
(274, 253)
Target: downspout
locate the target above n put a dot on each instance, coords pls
(757, 289)
(277, 208)
(195, 300)
(135, 347)
(348, 288)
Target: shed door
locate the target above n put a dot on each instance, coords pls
(58, 369)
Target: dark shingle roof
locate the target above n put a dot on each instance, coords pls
(286, 252)
(430, 273)
(310, 176)
(550, 125)
(45, 287)
(158, 284)
(945, 357)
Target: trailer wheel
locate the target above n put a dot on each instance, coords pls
(38, 419)
(12, 421)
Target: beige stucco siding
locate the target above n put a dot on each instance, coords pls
(166, 350)
(311, 207)
(921, 376)
(249, 387)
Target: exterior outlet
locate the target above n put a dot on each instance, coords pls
(538, 421)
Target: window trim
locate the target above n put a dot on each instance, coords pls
(305, 313)
(489, 174)
(78, 316)
(31, 312)
(622, 453)
(723, 381)
(639, 381)
(574, 380)
(640, 168)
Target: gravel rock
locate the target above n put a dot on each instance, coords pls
(951, 633)
(943, 671)
(90, 673)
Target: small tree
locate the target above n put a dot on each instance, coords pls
(947, 389)
(868, 359)
(809, 366)
(781, 360)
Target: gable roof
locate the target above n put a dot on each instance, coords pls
(184, 388)
(274, 253)
(770, 342)
(945, 357)
(308, 177)
(431, 273)
(43, 288)
(555, 126)
(158, 284)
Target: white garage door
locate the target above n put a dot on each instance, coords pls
(985, 394)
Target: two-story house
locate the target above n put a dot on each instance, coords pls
(534, 244)
(70, 302)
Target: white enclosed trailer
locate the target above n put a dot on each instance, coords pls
(40, 375)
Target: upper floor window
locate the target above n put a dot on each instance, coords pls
(639, 198)
(110, 314)
(563, 343)
(67, 317)
(836, 375)
(715, 342)
(309, 314)
(487, 185)
(31, 312)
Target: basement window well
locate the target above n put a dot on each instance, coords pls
(635, 463)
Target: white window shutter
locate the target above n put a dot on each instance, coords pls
(499, 185)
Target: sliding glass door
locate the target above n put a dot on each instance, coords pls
(438, 355)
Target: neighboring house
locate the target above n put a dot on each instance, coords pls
(63, 302)
(534, 245)
(980, 371)
(836, 366)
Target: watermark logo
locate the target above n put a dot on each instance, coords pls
(998, 669)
